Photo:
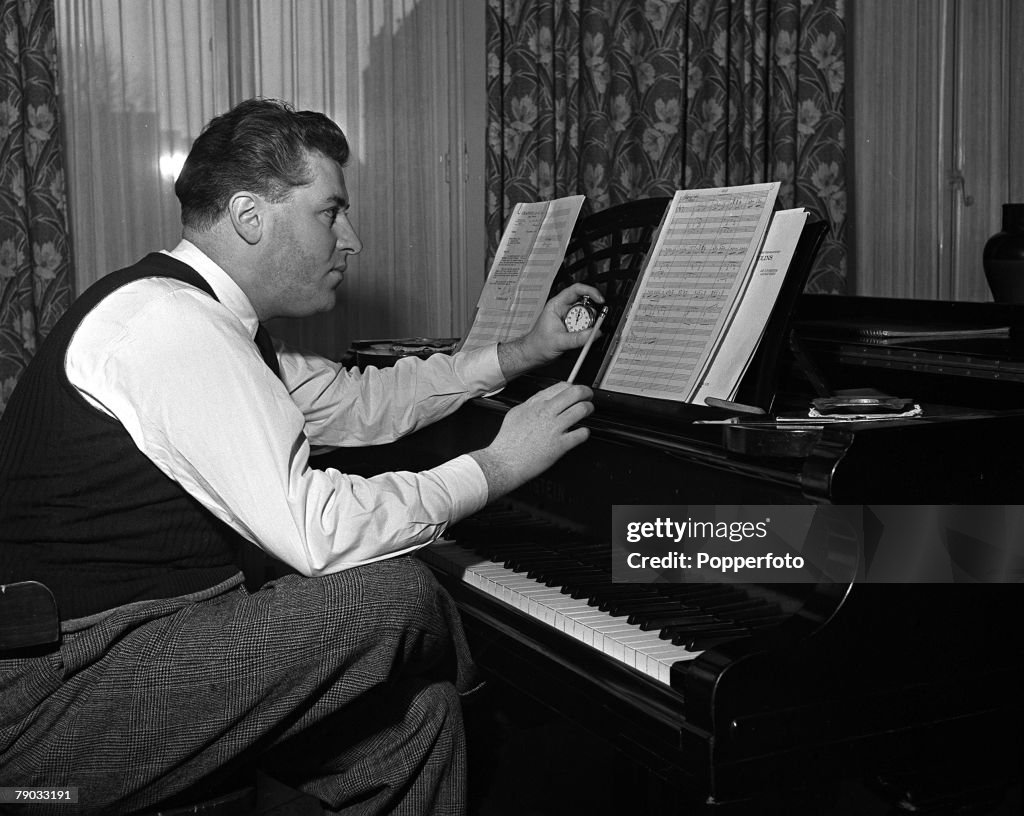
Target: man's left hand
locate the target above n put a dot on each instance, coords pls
(548, 338)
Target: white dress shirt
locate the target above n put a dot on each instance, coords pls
(182, 374)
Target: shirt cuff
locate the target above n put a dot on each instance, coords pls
(465, 483)
(479, 369)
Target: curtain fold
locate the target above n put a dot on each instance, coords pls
(35, 263)
(622, 99)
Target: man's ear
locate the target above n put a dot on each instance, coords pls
(247, 216)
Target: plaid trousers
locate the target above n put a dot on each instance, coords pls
(345, 686)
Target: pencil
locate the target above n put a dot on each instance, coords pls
(736, 407)
(586, 346)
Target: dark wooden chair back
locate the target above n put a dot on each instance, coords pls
(28, 616)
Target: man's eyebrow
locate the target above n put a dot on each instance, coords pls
(338, 201)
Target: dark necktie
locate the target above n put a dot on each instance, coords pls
(266, 347)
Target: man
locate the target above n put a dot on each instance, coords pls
(159, 427)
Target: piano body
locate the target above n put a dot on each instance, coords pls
(755, 698)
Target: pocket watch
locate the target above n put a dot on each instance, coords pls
(581, 315)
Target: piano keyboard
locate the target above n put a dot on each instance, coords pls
(613, 636)
(564, 582)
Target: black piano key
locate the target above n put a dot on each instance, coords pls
(702, 644)
(545, 556)
(500, 554)
(695, 587)
(588, 587)
(552, 572)
(667, 613)
(669, 631)
(557, 576)
(522, 541)
(651, 623)
(528, 546)
(627, 606)
(581, 589)
(541, 560)
(753, 624)
(611, 591)
(561, 579)
(699, 590)
(618, 603)
(522, 561)
(701, 627)
(560, 571)
(509, 538)
(609, 594)
(689, 639)
(541, 567)
(591, 563)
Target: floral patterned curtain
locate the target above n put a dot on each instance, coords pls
(35, 265)
(624, 99)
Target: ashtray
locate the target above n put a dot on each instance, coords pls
(830, 406)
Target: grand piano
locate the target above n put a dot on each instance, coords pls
(764, 698)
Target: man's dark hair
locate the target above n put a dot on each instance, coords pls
(260, 145)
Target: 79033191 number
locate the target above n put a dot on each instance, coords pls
(28, 795)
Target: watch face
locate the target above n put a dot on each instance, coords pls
(579, 317)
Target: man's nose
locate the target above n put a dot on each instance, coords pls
(348, 240)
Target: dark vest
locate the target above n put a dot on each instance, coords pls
(81, 508)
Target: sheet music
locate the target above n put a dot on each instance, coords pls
(691, 285)
(531, 250)
(751, 317)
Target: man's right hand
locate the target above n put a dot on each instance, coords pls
(535, 435)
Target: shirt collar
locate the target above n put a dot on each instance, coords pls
(228, 292)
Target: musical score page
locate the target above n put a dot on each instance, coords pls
(692, 283)
(750, 320)
(531, 251)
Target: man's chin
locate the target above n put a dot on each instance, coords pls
(324, 305)
(329, 302)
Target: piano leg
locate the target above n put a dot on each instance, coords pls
(965, 771)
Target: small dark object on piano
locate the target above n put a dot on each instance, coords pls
(828, 406)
